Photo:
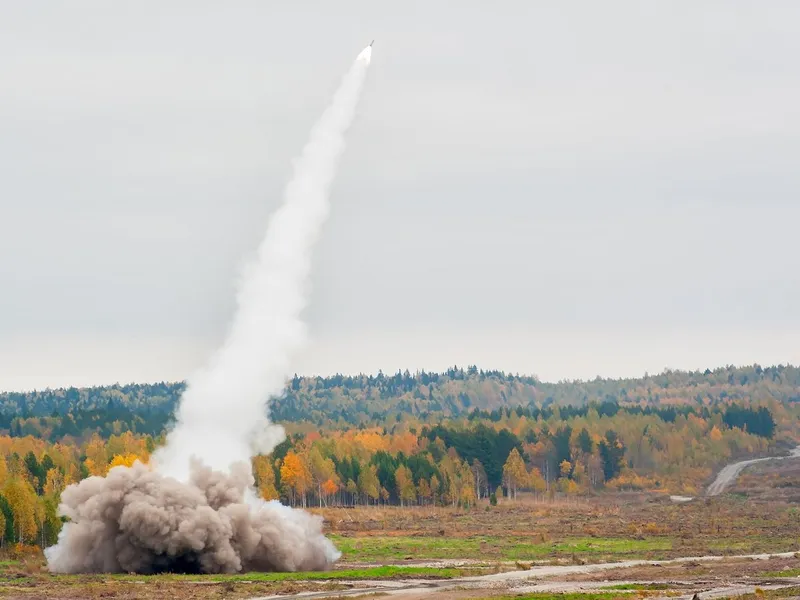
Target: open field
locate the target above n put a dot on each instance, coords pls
(603, 529)
(519, 548)
(18, 579)
(770, 481)
(711, 577)
(760, 594)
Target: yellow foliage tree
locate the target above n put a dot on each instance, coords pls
(368, 483)
(295, 476)
(405, 443)
(265, 478)
(322, 470)
(514, 473)
(435, 484)
(94, 468)
(21, 498)
(3, 471)
(125, 460)
(73, 475)
(372, 441)
(424, 489)
(467, 495)
(537, 482)
(97, 454)
(405, 485)
(567, 486)
(54, 483)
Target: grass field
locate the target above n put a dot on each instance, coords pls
(17, 581)
(623, 527)
(784, 573)
(380, 548)
(10, 571)
(640, 586)
(616, 595)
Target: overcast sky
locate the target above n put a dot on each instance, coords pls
(563, 189)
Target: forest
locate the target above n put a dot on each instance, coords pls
(367, 400)
(457, 438)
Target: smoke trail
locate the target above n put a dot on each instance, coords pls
(197, 510)
(221, 418)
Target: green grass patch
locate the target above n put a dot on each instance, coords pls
(645, 587)
(613, 545)
(753, 545)
(494, 547)
(785, 573)
(386, 572)
(379, 547)
(564, 596)
(7, 565)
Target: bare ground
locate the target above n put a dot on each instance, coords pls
(758, 515)
(709, 577)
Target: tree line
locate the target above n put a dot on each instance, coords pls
(457, 461)
(367, 400)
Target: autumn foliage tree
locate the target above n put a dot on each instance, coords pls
(368, 484)
(125, 460)
(514, 473)
(22, 501)
(405, 485)
(264, 476)
(295, 476)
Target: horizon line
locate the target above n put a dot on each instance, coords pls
(597, 378)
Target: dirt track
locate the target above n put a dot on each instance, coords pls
(729, 474)
(530, 581)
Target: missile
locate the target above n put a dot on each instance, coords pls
(372, 42)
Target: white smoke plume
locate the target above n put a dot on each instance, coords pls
(194, 509)
(221, 418)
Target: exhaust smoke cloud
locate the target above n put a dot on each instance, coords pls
(137, 520)
(194, 509)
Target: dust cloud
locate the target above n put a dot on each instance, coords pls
(137, 520)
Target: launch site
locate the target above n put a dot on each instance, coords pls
(351, 300)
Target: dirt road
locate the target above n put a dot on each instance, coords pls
(530, 580)
(729, 474)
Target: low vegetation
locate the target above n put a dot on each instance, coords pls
(762, 594)
(506, 548)
(616, 595)
(28, 580)
(640, 586)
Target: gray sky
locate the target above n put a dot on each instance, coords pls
(565, 189)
